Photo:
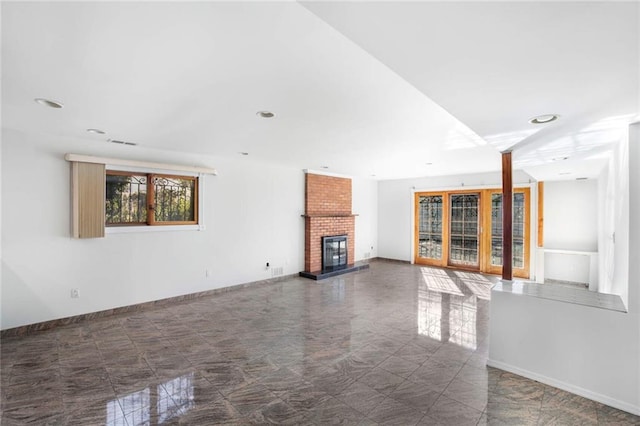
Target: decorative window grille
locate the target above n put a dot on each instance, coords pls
(430, 239)
(150, 199)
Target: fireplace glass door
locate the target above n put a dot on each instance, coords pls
(334, 252)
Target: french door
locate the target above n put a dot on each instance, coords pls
(463, 229)
(521, 230)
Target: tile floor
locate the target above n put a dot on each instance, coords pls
(395, 345)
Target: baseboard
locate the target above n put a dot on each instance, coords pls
(612, 402)
(386, 259)
(138, 307)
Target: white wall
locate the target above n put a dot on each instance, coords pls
(633, 278)
(365, 205)
(571, 215)
(634, 237)
(613, 220)
(252, 214)
(570, 223)
(1, 262)
(395, 207)
(588, 351)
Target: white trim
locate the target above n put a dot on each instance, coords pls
(201, 183)
(134, 163)
(160, 228)
(621, 405)
(144, 228)
(470, 187)
(574, 252)
(321, 173)
(146, 170)
(412, 229)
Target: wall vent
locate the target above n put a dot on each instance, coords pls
(277, 271)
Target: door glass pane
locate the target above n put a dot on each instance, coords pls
(496, 229)
(430, 227)
(463, 245)
(518, 230)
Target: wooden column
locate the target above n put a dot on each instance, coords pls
(507, 216)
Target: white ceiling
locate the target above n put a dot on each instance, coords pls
(364, 88)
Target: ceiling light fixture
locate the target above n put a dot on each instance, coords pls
(96, 131)
(544, 119)
(429, 164)
(244, 153)
(49, 103)
(324, 167)
(265, 114)
(559, 158)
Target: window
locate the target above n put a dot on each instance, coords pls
(111, 196)
(141, 199)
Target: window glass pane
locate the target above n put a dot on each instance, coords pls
(126, 199)
(430, 217)
(175, 199)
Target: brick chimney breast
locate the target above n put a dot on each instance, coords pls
(327, 213)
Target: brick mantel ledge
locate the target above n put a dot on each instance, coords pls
(329, 215)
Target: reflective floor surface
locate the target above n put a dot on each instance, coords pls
(396, 344)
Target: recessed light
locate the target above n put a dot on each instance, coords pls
(559, 158)
(544, 119)
(373, 175)
(429, 164)
(49, 103)
(564, 173)
(582, 178)
(244, 153)
(96, 131)
(265, 114)
(324, 167)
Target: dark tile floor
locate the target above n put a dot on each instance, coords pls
(396, 344)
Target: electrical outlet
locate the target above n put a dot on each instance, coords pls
(75, 293)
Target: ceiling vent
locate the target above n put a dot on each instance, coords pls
(121, 142)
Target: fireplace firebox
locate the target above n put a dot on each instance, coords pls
(334, 252)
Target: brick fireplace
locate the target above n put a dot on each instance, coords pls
(327, 214)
